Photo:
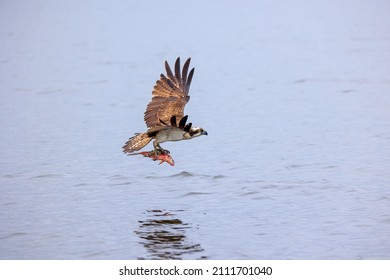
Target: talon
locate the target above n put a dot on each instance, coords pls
(158, 151)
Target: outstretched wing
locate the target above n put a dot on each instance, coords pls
(170, 95)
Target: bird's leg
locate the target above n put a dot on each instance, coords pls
(158, 150)
(162, 150)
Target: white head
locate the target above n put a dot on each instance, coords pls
(197, 131)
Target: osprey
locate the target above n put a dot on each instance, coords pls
(164, 115)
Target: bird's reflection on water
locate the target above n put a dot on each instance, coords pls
(164, 236)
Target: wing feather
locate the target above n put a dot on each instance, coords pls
(169, 96)
(177, 71)
(185, 71)
(189, 79)
(173, 121)
(183, 121)
(169, 72)
(188, 127)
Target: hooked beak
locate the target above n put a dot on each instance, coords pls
(204, 133)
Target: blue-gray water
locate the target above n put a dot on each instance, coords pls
(295, 96)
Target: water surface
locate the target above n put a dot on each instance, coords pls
(294, 96)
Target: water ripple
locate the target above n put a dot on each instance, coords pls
(164, 236)
(46, 176)
(195, 193)
(187, 174)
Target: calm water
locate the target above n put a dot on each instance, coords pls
(295, 97)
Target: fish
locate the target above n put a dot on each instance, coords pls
(162, 157)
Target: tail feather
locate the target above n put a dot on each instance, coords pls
(137, 142)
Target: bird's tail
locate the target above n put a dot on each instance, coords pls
(137, 142)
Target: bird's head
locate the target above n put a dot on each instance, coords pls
(197, 131)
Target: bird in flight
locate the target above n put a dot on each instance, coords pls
(164, 115)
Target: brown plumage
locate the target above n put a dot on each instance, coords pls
(164, 115)
(137, 142)
(170, 95)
